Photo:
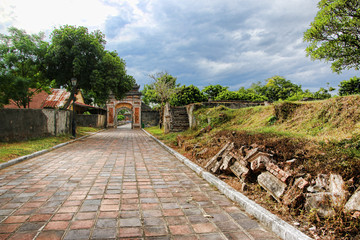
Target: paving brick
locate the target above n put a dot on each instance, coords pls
(57, 225)
(40, 218)
(180, 229)
(204, 227)
(50, 235)
(8, 228)
(23, 236)
(82, 224)
(130, 232)
(16, 219)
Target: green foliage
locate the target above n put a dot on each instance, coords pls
(349, 87)
(334, 34)
(161, 90)
(120, 117)
(242, 94)
(22, 66)
(74, 52)
(271, 120)
(276, 88)
(187, 95)
(322, 93)
(212, 91)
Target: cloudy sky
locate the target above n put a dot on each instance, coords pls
(230, 42)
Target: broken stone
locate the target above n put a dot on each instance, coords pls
(214, 159)
(226, 162)
(239, 170)
(202, 152)
(294, 196)
(217, 161)
(250, 154)
(337, 189)
(260, 162)
(321, 202)
(180, 140)
(321, 181)
(356, 214)
(320, 184)
(272, 184)
(277, 172)
(354, 202)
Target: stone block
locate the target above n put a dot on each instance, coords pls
(354, 202)
(294, 196)
(239, 170)
(259, 163)
(337, 189)
(321, 202)
(272, 184)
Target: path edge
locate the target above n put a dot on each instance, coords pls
(281, 228)
(38, 153)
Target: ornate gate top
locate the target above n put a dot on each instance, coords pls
(131, 101)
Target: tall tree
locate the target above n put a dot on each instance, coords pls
(22, 66)
(334, 34)
(212, 91)
(161, 90)
(349, 87)
(76, 53)
(276, 88)
(187, 95)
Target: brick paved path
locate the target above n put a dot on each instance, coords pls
(115, 184)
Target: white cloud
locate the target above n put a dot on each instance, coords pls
(43, 15)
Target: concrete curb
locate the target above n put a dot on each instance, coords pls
(271, 221)
(38, 153)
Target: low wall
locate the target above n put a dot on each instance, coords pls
(93, 120)
(150, 118)
(21, 124)
(191, 108)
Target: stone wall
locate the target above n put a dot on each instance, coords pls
(93, 120)
(150, 118)
(191, 108)
(20, 124)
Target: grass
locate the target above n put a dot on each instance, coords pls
(169, 138)
(13, 150)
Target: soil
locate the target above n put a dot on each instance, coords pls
(306, 155)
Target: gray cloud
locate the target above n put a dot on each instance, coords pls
(233, 43)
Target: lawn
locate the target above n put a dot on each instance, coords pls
(14, 150)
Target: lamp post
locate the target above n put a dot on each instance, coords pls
(73, 83)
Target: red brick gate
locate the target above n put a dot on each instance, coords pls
(131, 102)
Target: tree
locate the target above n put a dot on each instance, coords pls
(74, 52)
(276, 88)
(187, 95)
(110, 77)
(242, 94)
(334, 34)
(212, 91)
(349, 87)
(161, 90)
(22, 66)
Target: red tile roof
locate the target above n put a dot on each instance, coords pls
(56, 99)
(36, 101)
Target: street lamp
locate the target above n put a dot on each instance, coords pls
(73, 83)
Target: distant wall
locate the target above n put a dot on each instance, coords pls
(20, 124)
(191, 108)
(150, 118)
(93, 120)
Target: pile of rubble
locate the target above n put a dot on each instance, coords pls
(325, 193)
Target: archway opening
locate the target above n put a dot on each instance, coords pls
(124, 118)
